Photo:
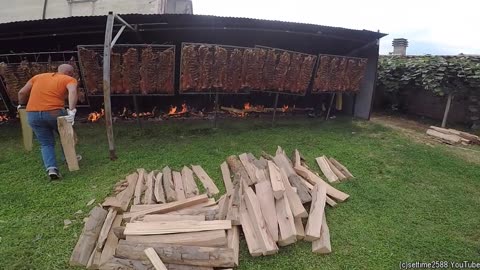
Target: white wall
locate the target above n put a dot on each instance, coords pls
(21, 10)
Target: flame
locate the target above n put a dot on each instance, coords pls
(247, 106)
(3, 118)
(95, 116)
(173, 110)
(184, 108)
(285, 108)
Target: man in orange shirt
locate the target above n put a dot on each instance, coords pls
(44, 95)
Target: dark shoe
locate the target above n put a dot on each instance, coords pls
(53, 174)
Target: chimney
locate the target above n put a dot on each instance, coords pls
(400, 46)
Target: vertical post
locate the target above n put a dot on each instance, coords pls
(27, 133)
(107, 50)
(215, 111)
(447, 110)
(330, 106)
(135, 105)
(275, 105)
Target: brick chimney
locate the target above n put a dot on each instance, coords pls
(400, 46)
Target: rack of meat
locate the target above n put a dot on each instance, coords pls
(134, 69)
(15, 75)
(339, 74)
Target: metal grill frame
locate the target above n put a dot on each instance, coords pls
(100, 50)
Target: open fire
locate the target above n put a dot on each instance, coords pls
(4, 118)
(95, 116)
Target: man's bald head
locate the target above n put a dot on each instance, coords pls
(65, 69)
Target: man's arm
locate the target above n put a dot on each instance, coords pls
(24, 94)
(72, 95)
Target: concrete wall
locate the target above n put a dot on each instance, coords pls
(21, 10)
(364, 98)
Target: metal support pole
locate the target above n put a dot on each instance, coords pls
(135, 106)
(330, 106)
(124, 22)
(107, 51)
(447, 110)
(117, 36)
(215, 111)
(275, 109)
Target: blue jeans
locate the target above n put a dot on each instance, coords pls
(44, 125)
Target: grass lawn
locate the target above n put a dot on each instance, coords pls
(409, 201)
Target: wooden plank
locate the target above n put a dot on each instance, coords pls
(300, 230)
(335, 170)
(170, 217)
(253, 245)
(125, 196)
(139, 187)
(315, 179)
(297, 160)
(112, 241)
(449, 138)
(67, 138)
(149, 183)
(86, 242)
(168, 185)
(136, 208)
(326, 170)
(209, 212)
(276, 180)
(94, 261)
(154, 259)
(158, 191)
(177, 254)
(107, 225)
(249, 167)
(207, 182)
(168, 207)
(178, 182)
(331, 202)
(258, 221)
(227, 179)
(167, 227)
(27, 133)
(233, 240)
(238, 170)
(323, 244)
(189, 185)
(293, 200)
(223, 204)
(465, 135)
(266, 200)
(286, 222)
(215, 238)
(282, 161)
(125, 264)
(317, 210)
(112, 202)
(342, 168)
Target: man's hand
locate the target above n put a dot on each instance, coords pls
(71, 116)
(20, 107)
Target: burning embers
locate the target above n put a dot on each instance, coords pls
(4, 118)
(95, 116)
(173, 110)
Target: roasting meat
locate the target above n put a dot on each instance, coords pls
(166, 69)
(357, 72)
(220, 67)
(281, 71)
(205, 55)
(190, 77)
(116, 73)
(23, 72)
(293, 73)
(234, 71)
(305, 75)
(260, 57)
(130, 71)
(148, 71)
(248, 68)
(269, 70)
(11, 81)
(92, 72)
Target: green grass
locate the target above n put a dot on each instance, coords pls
(409, 202)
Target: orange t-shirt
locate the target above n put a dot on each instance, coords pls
(48, 91)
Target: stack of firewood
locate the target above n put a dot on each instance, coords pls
(170, 224)
(453, 136)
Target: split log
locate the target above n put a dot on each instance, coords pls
(297, 160)
(112, 202)
(154, 259)
(27, 132)
(215, 238)
(227, 179)
(86, 243)
(240, 177)
(139, 187)
(293, 200)
(168, 185)
(323, 244)
(158, 191)
(170, 217)
(317, 210)
(125, 264)
(176, 254)
(286, 222)
(265, 197)
(284, 163)
(167, 227)
(448, 138)
(331, 202)
(168, 207)
(189, 185)
(237, 168)
(276, 180)
(94, 261)
(119, 232)
(178, 182)
(315, 179)
(209, 212)
(136, 208)
(107, 225)
(149, 183)
(207, 182)
(126, 195)
(223, 204)
(342, 168)
(67, 138)
(258, 221)
(249, 167)
(335, 170)
(326, 170)
(233, 242)
(253, 245)
(299, 228)
(112, 242)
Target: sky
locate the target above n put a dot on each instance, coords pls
(443, 27)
